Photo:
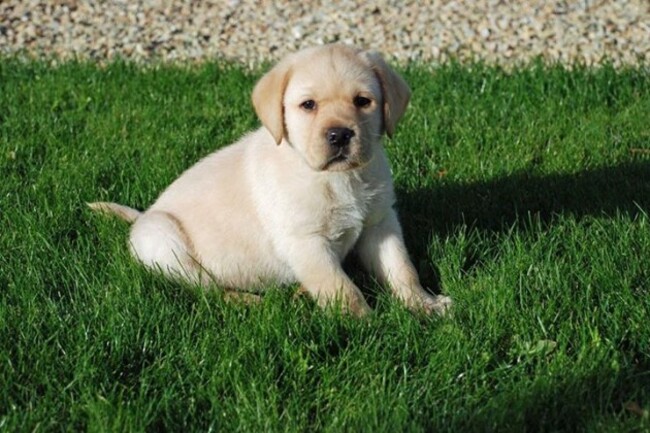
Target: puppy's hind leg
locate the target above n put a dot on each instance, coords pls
(159, 241)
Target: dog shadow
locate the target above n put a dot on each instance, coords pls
(501, 204)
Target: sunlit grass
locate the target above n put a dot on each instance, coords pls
(523, 195)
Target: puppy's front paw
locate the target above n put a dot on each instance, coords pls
(440, 304)
(357, 306)
(428, 304)
(350, 302)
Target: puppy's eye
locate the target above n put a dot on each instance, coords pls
(361, 101)
(308, 105)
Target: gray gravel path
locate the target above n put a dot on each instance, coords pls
(249, 31)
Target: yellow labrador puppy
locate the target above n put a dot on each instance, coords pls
(290, 200)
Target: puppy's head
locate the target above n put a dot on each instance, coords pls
(331, 103)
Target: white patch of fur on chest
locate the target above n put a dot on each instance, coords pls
(349, 199)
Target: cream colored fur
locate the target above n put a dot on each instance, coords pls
(284, 205)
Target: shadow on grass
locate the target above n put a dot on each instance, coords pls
(573, 402)
(500, 204)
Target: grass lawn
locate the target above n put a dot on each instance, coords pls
(525, 196)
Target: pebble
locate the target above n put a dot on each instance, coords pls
(254, 31)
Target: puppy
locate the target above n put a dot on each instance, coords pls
(290, 200)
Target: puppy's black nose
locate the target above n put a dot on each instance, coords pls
(339, 137)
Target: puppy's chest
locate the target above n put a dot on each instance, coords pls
(349, 204)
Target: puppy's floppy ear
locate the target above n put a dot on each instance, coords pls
(268, 96)
(395, 90)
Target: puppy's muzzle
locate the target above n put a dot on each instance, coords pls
(339, 137)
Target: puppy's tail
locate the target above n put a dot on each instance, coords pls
(128, 214)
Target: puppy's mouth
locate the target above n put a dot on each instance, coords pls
(341, 161)
(340, 157)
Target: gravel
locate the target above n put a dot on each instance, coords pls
(250, 31)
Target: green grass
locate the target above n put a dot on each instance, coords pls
(523, 195)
